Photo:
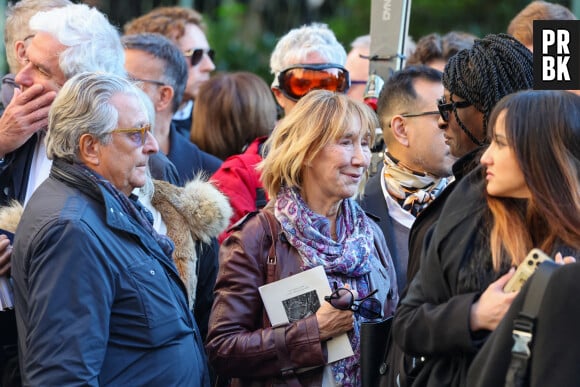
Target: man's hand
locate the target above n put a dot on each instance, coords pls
(26, 113)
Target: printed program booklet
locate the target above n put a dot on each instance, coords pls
(299, 296)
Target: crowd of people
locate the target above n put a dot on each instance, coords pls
(145, 202)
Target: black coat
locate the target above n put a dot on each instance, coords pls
(555, 351)
(420, 232)
(432, 319)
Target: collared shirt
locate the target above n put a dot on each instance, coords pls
(40, 167)
(184, 112)
(396, 212)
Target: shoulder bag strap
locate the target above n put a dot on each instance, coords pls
(287, 367)
(271, 260)
(523, 331)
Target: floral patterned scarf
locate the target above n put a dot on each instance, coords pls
(346, 260)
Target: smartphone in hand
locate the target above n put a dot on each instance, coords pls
(525, 270)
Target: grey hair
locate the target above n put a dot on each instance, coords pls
(83, 106)
(175, 66)
(294, 47)
(16, 25)
(363, 41)
(94, 45)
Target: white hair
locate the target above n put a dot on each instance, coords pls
(94, 45)
(294, 47)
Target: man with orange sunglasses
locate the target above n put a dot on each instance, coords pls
(307, 58)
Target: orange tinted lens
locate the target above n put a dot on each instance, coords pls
(299, 81)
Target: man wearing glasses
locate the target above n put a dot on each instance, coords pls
(161, 72)
(186, 29)
(98, 298)
(307, 58)
(417, 161)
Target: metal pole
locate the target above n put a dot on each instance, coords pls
(389, 28)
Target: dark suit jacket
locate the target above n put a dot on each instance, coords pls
(188, 158)
(374, 203)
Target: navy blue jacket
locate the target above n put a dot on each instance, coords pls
(98, 301)
(188, 158)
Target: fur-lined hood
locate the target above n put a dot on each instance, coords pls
(196, 212)
(10, 216)
(205, 210)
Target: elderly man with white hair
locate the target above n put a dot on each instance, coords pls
(98, 298)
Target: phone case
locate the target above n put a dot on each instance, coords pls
(525, 270)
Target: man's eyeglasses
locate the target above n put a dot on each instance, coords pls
(407, 115)
(138, 135)
(343, 298)
(143, 80)
(445, 108)
(196, 55)
(410, 115)
(296, 81)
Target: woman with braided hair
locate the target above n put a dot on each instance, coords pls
(474, 80)
(436, 319)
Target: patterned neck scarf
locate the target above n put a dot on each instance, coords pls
(411, 189)
(346, 260)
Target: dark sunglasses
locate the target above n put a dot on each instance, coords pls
(445, 108)
(197, 55)
(343, 298)
(296, 81)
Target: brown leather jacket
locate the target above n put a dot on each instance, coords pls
(241, 343)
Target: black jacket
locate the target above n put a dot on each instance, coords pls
(432, 319)
(374, 203)
(419, 234)
(555, 351)
(188, 158)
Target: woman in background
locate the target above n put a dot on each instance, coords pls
(234, 114)
(232, 111)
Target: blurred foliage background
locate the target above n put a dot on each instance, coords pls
(244, 32)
